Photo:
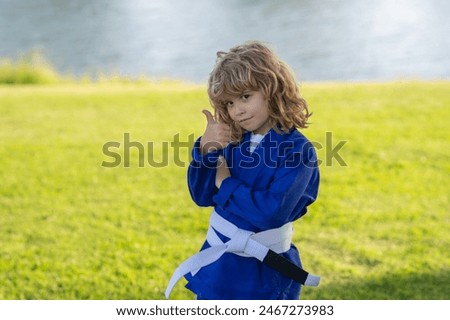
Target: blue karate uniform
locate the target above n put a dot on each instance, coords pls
(268, 188)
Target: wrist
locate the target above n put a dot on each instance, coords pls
(207, 148)
(219, 182)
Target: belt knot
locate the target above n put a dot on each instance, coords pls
(239, 241)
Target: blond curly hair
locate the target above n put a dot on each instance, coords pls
(253, 66)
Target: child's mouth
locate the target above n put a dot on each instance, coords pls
(244, 120)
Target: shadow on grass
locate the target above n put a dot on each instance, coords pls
(412, 286)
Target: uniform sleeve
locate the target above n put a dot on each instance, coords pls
(294, 187)
(201, 176)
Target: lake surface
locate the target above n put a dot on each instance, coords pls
(326, 40)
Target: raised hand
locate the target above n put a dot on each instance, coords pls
(217, 135)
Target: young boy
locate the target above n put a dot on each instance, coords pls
(259, 173)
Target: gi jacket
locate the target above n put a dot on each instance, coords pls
(267, 188)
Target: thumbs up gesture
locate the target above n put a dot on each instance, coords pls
(216, 136)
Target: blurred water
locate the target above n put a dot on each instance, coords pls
(321, 40)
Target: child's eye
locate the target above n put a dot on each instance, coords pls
(228, 104)
(245, 96)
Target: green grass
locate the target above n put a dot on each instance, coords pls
(72, 229)
(31, 68)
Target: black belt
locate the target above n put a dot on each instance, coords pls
(289, 269)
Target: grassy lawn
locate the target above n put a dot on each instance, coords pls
(71, 228)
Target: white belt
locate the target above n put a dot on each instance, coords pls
(242, 242)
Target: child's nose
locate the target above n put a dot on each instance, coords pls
(240, 109)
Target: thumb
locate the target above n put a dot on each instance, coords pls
(209, 116)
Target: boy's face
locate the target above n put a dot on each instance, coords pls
(250, 111)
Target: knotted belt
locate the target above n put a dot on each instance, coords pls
(264, 246)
